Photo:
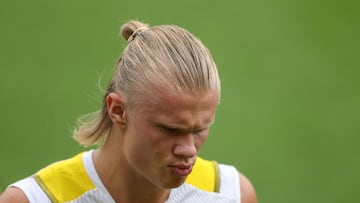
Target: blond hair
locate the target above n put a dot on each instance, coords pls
(160, 56)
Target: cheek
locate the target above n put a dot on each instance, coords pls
(160, 143)
(135, 142)
(148, 140)
(200, 139)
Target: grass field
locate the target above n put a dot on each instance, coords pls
(289, 115)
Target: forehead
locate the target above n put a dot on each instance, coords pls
(180, 108)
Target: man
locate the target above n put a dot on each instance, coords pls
(156, 115)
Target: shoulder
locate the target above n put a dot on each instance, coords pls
(248, 194)
(66, 165)
(13, 195)
(65, 180)
(63, 177)
(189, 193)
(25, 190)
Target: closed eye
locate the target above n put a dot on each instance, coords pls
(179, 131)
(200, 131)
(172, 130)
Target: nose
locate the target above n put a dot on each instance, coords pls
(186, 146)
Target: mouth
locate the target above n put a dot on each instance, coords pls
(181, 170)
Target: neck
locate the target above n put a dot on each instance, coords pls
(123, 182)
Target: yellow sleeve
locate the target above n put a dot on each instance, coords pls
(205, 175)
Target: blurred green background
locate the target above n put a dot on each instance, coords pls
(289, 116)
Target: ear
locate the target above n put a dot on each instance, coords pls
(116, 109)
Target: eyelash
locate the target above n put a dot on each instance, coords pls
(175, 130)
(171, 130)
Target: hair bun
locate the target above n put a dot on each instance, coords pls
(129, 29)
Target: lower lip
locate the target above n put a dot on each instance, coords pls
(181, 171)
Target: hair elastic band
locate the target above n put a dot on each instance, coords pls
(136, 33)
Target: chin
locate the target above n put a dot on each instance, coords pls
(174, 183)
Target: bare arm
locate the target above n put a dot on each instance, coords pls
(13, 195)
(248, 194)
